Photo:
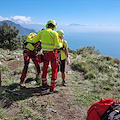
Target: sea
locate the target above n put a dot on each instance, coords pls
(108, 43)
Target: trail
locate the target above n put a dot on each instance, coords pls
(58, 105)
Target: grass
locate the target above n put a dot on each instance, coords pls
(2, 113)
(24, 101)
(93, 77)
(101, 74)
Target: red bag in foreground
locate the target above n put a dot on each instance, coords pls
(97, 109)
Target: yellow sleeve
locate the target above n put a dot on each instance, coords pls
(65, 43)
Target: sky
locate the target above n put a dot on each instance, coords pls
(74, 13)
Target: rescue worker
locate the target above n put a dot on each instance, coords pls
(29, 53)
(63, 56)
(50, 42)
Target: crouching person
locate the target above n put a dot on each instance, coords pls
(29, 53)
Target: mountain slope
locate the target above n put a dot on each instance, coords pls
(23, 30)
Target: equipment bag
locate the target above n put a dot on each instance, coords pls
(97, 110)
(113, 113)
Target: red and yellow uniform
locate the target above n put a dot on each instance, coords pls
(50, 42)
(29, 53)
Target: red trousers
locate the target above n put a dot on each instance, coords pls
(51, 57)
(27, 56)
(40, 58)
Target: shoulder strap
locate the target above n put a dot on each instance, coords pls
(63, 44)
(106, 113)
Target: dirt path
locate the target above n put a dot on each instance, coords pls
(58, 105)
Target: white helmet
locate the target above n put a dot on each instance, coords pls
(53, 23)
(60, 33)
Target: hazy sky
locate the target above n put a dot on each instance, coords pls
(64, 12)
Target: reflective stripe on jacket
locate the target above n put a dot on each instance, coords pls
(30, 46)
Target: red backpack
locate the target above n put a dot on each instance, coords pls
(96, 111)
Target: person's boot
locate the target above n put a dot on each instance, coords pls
(53, 91)
(22, 84)
(45, 87)
(64, 83)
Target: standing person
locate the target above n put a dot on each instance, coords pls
(50, 42)
(29, 53)
(63, 56)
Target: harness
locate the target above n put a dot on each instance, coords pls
(63, 48)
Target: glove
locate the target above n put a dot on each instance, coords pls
(68, 61)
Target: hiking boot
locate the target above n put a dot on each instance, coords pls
(45, 87)
(53, 91)
(22, 84)
(64, 83)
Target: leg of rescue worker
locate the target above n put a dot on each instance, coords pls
(35, 61)
(62, 69)
(54, 66)
(25, 69)
(44, 75)
(40, 58)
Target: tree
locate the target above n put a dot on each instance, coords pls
(8, 37)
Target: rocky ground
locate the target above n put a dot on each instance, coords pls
(57, 106)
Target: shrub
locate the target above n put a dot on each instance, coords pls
(117, 75)
(89, 75)
(107, 87)
(116, 60)
(107, 57)
(8, 37)
(80, 66)
(74, 56)
(4, 68)
(2, 114)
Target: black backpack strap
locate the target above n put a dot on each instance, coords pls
(106, 113)
(117, 117)
(112, 113)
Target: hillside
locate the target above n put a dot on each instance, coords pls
(88, 80)
(23, 31)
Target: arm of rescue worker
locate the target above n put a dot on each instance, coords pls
(36, 38)
(66, 52)
(57, 40)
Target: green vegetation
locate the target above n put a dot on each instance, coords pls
(94, 65)
(9, 38)
(101, 74)
(92, 77)
(2, 113)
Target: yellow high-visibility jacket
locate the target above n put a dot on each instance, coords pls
(29, 45)
(49, 40)
(62, 52)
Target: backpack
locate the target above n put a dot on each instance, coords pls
(97, 110)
